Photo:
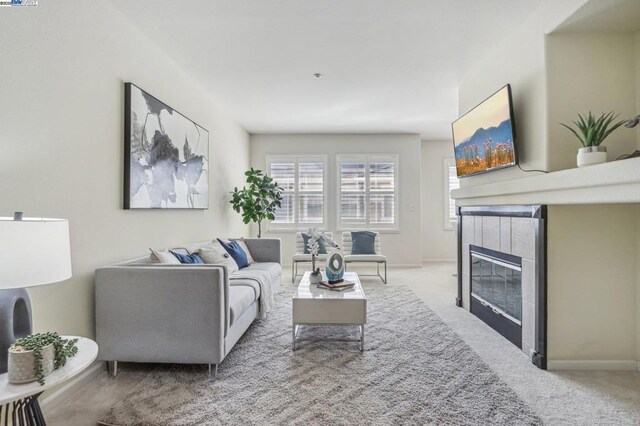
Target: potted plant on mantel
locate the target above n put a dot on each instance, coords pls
(259, 200)
(591, 132)
(33, 357)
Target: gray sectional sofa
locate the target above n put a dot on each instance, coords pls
(187, 314)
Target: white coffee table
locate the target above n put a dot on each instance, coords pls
(313, 306)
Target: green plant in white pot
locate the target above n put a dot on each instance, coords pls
(591, 132)
(33, 357)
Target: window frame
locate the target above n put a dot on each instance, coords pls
(368, 159)
(449, 222)
(296, 226)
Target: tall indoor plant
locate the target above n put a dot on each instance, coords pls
(591, 132)
(258, 200)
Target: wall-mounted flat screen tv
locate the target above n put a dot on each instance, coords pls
(484, 138)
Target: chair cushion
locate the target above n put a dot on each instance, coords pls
(240, 298)
(365, 258)
(235, 251)
(300, 257)
(322, 248)
(363, 242)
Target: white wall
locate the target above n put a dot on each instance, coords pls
(592, 276)
(589, 72)
(438, 243)
(401, 248)
(61, 132)
(637, 42)
(520, 61)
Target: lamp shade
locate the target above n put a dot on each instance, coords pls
(33, 251)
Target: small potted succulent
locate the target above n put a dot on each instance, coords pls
(33, 357)
(591, 132)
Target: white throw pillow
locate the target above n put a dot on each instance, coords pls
(216, 254)
(163, 256)
(244, 247)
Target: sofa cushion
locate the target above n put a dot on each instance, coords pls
(163, 256)
(244, 247)
(272, 269)
(235, 251)
(241, 297)
(187, 258)
(215, 254)
(236, 279)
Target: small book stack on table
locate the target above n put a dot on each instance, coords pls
(339, 286)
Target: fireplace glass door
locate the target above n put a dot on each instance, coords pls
(497, 283)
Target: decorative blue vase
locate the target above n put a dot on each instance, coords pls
(335, 268)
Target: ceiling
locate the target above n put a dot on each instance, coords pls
(387, 65)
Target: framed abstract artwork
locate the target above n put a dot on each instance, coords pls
(166, 155)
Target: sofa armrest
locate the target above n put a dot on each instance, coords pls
(265, 249)
(177, 314)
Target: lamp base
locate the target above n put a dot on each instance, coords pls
(15, 320)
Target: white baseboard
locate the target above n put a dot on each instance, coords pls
(72, 386)
(611, 365)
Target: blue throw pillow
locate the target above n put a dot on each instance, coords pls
(322, 248)
(236, 252)
(187, 258)
(364, 242)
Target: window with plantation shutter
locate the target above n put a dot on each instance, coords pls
(451, 182)
(367, 195)
(304, 182)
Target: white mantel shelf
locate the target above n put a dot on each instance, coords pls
(608, 183)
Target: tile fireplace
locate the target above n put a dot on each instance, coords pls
(502, 272)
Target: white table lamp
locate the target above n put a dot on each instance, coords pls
(35, 251)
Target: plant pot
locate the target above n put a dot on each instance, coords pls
(21, 367)
(591, 155)
(315, 278)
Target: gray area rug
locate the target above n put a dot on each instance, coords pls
(415, 370)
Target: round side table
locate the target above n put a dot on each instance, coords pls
(19, 402)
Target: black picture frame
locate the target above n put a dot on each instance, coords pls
(169, 162)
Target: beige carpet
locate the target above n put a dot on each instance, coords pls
(415, 370)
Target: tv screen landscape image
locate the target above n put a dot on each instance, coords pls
(484, 138)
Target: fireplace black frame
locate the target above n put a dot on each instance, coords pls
(538, 212)
(503, 325)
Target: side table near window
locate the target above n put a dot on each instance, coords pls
(19, 402)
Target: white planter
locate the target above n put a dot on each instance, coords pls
(591, 155)
(21, 364)
(315, 279)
